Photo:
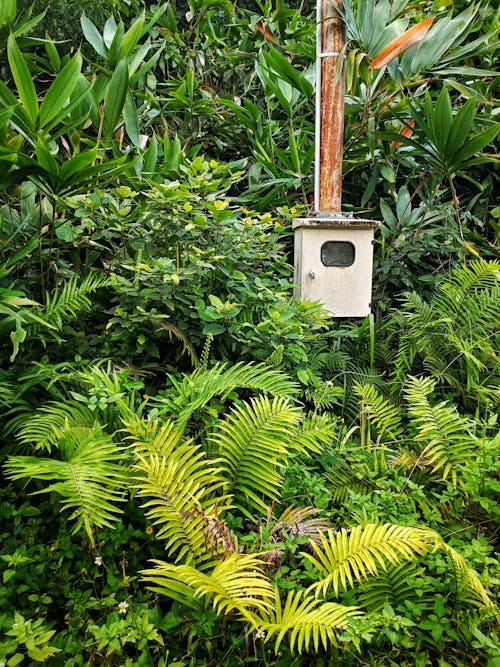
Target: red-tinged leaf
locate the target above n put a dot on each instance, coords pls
(265, 32)
(407, 131)
(401, 43)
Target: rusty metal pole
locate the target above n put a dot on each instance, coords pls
(330, 98)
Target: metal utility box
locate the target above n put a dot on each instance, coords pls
(333, 262)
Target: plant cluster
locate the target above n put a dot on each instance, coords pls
(198, 469)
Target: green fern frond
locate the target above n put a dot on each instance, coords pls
(309, 622)
(342, 479)
(196, 390)
(469, 587)
(313, 433)
(395, 586)
(42, 429)
(448, 442)
(380, 413)
(236, 584)
(350, 556)
(69, 299)
(454, 336)
(466, 281)
(165, 580)
(90, 476)
(253, 444)
(182, 484)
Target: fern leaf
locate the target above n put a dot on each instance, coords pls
(72, 297)
(196, 390)
(469, 586)
(42, 429)
(313, 433)
(253, 445)
(381, 414)
(237, 583)
(300, 522)
(349, 557)
(448, 442)
(308, 621)
(394, 586)
(90, 476)
(181, 484)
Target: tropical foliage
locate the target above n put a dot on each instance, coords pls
(198, 469)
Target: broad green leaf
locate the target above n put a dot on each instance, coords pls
(131, 37)
(137, 59)
(475, 144)
(109, 31)
(442, 120)
(77, 163)
(93, 36)
(17, 337)
(131, 120)
(45, 158)
(52, 107)
(288, 72)
(115, 98)
(104, 170)
(114, 47)
(52, 54)
(7, 12)
(150, 157)
(23, 80)
(441, 36)
(461, 127)
(6, 113)
(76, 110)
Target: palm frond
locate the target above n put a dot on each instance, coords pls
(313, 433)
(181, 484)
(342, 479)
(90, 476)
(253, 444)
(351, 556)
(469, 587)
(454, 336)
(310, 623)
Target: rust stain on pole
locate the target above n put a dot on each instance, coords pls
(331, 109)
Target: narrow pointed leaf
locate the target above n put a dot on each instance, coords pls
(77, 163)
(461, 127)
(442, 120)
(131, 37)
(401, 43)
(23, 80)
(52, 107)
(475, 144)
(93, 37)
(115, 97)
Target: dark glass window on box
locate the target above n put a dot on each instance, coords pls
(338, 253)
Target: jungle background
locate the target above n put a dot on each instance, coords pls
(196, 468)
